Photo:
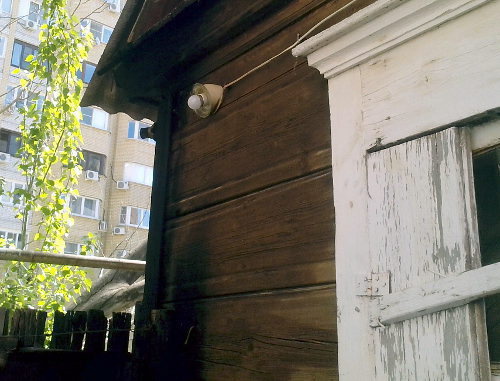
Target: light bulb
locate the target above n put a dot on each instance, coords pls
(195, 102)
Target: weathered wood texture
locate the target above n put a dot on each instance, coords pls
(422, 224)
(288, 335)
(250, 230)
(275, 238)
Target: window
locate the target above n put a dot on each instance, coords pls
(95, 117)
(87, 72)
(134, 217)
(20, 51)
(138, 173)
(84, 207)
(9, 142)
(93, 161)
(3, 42)
(101, 33)
(9, 188)
(22, 99)
(76, 248)
(6, 6)
(35, 13)
(13, 238)
(134, 128)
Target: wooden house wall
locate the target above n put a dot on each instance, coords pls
(249, 273)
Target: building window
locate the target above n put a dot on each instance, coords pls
(3, 44)
(95, 117)
(20, 51)
(10, 142)
(23, 99)
(35, 13)
(138, 173)
(76, 248)
(87, 72)
(6, 6)
(93, 161)
(101, 33)
(9, 197)
(134, 128)
(132, 216)
(84, 206)
(13, 238)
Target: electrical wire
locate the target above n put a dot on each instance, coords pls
(299, 40)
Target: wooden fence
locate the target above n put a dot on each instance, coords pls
(75, 330)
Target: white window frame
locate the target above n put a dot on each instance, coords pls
(92, 121)
(98, 37)
(5, 232)
(131, 169)
(124, 218)
(35, 17)
(2, 2)
(78, 248)
(7, 200)
(137, 126)
(95, 215)
(3, 45)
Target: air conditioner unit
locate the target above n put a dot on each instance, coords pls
(92, 175)
(114, 7)
(4, 157)
(30, 24)
(103, 226)
(120, 253)
(118, 230)
(122, 185)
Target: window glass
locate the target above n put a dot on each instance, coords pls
(20, 51)
(2, 46)
(34, 11)
(6, 6)
(71, 248)
(123, 215)
(9, 142)
(87, 115)
(89, 207)
(88, 72)
(75, 204)
(12, 238)
(93, 162)
(134, 217)
(106, 34)
(100, 119)
(131, 130)
(138, 173)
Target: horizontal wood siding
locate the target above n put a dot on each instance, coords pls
(279, 237)
(270, 336)
(249, 274)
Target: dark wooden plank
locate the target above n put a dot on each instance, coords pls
(4, 321)
(97, 324)
(41, 318)
(274, 336)
(30, 328)
(254, 143)
(78, 325)
(280, 237)
(61, 332)
(119, 332)
(14, 324)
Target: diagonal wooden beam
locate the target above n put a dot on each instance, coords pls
(451, 291)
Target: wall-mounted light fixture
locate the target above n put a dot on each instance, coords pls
(205, 99)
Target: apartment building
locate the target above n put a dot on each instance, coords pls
(115, 186)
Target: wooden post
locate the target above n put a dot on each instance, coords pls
(78, 324)
(119, 330)
(30, 327)
(96, 331)
(41, 317)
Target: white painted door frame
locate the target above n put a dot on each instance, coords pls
(399, 71)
